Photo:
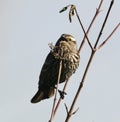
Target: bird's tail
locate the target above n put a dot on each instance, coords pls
(42, 94)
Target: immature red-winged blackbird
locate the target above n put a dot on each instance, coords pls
(66, 51)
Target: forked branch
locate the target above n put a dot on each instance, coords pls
(104, 42)
(88, 65)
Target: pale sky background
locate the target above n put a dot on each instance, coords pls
(26, 28)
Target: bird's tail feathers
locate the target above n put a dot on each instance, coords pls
(42, 94)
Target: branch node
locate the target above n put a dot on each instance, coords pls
(75, 111)
(66, 108)
(71, 12)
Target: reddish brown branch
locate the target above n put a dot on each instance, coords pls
(101, 45)
(83, 29)
(108, 12)
(80, 87)
(55, 97)
(87, 67)
(88, 30)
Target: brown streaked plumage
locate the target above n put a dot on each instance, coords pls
(65, 50)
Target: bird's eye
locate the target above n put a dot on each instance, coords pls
(72, 40)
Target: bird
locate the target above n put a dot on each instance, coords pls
(65, 50)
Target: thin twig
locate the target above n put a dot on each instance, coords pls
(66, 108)
(108, 12)
(101, 45)
(75, 111)
(80, 87)
(83, 29)
(88, 30)
(55, 98)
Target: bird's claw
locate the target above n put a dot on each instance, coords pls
(62, 94)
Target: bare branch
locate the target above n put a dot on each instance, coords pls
(83, 29)
(102, 44)
(66, 108)
(54, 102)
(88, 30)
(75, 111)
(80, 87)
(68, 111)
(87, 67)
(108, 12)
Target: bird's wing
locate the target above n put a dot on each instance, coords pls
(49, 71)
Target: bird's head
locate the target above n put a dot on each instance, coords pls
(67, 40)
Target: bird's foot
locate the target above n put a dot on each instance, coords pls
(62, 93)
